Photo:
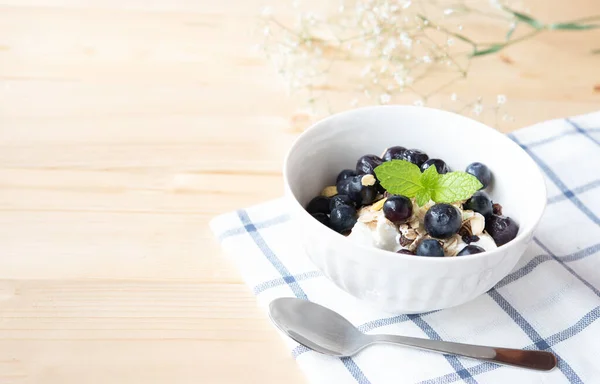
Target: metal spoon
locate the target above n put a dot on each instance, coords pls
(326, 331)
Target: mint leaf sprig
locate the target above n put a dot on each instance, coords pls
(401, 177)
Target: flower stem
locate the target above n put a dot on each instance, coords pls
(584, 19)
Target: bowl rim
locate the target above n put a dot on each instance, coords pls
(384, 253)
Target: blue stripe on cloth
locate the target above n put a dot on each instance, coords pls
(565, 266)
(580, 254)
(537, 339)
(269, 254)
(523, 271)
(537, 260)
(582, 131)
(576, 191)
(552, 340)
(454, 377)
(550, 139)
(556, 180)
(573, 330)
(299, 350)
(452, 359)
(374, 324)
(559, 136)
(354, 370)
(260, 225)
(284, 280)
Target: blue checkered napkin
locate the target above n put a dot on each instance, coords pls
(550, 301)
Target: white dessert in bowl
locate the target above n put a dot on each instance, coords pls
(373, 229)
(391, 281)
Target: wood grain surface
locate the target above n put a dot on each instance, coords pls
(125, 125)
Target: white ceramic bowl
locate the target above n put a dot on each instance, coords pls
(400, 283)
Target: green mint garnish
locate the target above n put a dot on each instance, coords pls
(429, 178)
(400, 177)
(455, 186)
(423, 197)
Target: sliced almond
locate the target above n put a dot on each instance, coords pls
(368, 180)
(366, 216)
(405, 241)
(466, 215)
(329, 191)
(411, 234)
(477, 223)
(372, 225)
(465, 229)
(378, 206)
(416, 242)
(421, 211)
(451, 245)
(414, 223)
(421, 231)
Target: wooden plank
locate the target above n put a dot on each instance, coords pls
(125, 126)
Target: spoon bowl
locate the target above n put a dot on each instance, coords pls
(317, 327)
(327, 332)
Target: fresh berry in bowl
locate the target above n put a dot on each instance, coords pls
(419, 203)
(421, 227)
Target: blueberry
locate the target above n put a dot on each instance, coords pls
(470, 238)
(361, 189)
(342, 219)
(406, 252)
(398, 209)
(367, 164)
(338, 200)
(502, 229)
(346, 173)
(481, 172)
(480, 202)
(442, 220)
(319, 204)
(430, 247)
(393, 153)
(323, 218)
(343, 186)
(440, 165)
(470, 250)
(415, 156)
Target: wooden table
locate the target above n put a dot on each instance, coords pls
(124, 127)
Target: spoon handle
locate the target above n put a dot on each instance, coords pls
(538, 360)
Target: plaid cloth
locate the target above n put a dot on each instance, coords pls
(550, 301)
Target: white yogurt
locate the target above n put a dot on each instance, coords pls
(485, 241)
(379, 232)
(373, 229)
